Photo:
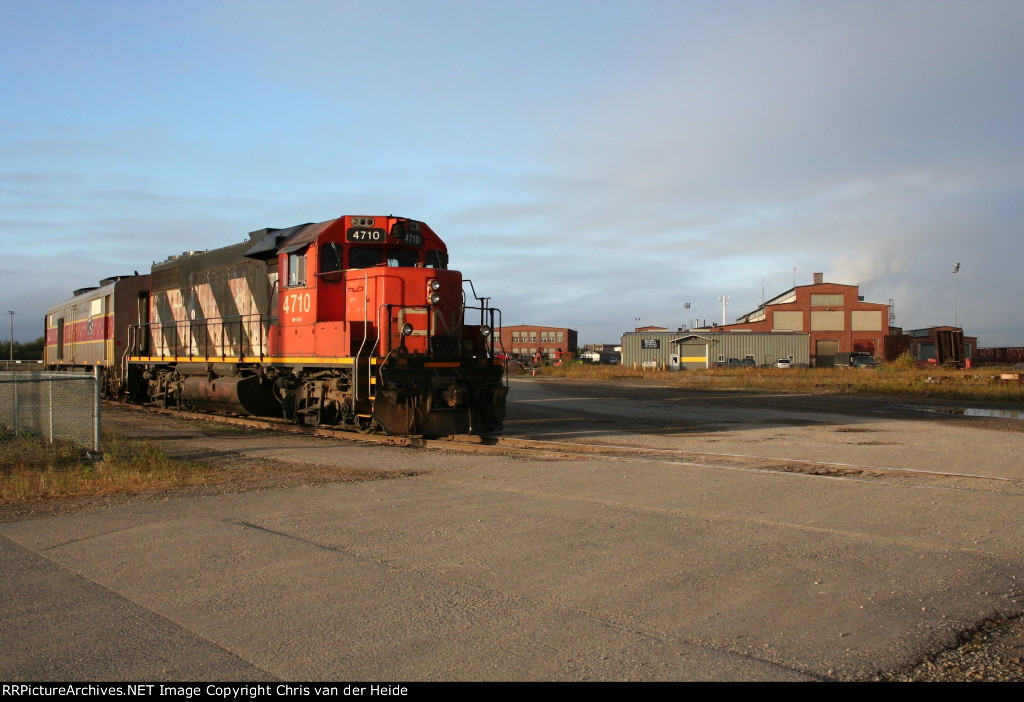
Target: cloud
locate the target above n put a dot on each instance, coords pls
(587, 162)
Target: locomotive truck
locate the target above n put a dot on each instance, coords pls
(354, 322)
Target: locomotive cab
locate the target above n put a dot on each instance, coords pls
(380, 288)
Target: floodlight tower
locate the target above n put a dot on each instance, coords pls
(956, 271)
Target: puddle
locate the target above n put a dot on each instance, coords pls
(976, 412)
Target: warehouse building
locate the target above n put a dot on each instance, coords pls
(933, 345)
(835, 316)
(693, 350)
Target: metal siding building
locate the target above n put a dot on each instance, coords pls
(694, 350)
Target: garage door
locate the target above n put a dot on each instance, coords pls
(825, 353)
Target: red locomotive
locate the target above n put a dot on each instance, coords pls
(355, 322)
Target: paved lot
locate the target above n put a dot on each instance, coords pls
(470, 567)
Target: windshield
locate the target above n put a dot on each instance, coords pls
(404, 259)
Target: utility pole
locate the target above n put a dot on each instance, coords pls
(11, 312)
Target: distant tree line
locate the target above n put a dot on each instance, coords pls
(28, 351)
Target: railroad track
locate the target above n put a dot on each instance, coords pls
(576, 450)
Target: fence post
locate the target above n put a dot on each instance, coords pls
(15, 404)
(96, 414)
(49, 386)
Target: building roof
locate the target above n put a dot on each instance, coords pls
(790, 296)
(535, 326)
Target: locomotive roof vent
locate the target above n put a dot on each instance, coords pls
(82, 291)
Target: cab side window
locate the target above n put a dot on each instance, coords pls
(330, 257)
(297, 270)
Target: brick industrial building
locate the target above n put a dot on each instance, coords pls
(835, 317)
(527, 340)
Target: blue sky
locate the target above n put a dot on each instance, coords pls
(588, 163)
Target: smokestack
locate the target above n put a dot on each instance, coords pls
(819, 278)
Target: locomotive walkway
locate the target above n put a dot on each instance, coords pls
(510, 567)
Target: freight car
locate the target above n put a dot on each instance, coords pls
(354, 322)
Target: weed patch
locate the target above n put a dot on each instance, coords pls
(31, 469)
(897, 379)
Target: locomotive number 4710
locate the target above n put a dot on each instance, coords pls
(358, 235)
(296, 302)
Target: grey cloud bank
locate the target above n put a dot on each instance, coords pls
(588, 163)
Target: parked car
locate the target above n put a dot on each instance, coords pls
(783, 363)
(863, 362)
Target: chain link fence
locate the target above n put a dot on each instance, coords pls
(53, 405)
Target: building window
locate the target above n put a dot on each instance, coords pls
(866, 320)
(533, 336)
(827, 300)
(561, 336)
(827, 320)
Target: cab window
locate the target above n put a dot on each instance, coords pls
(296, 269)
(365, 257)
(404, 259)
(437, 259)
(330, 257)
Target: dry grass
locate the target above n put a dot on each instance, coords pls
(896, 380)
(32, 469)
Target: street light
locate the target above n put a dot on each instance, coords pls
(956, 270)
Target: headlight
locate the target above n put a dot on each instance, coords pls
(406, 329)
(435, 285)
(485, 331)
(434, 298)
